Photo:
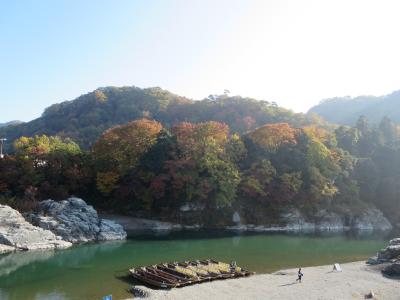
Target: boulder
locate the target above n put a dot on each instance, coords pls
(394, 242)
(390, 252)
(17, 234)
(392, 270)
(75, 221)
(375, 261)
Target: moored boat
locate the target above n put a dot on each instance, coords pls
(152, 280)
(178, 274)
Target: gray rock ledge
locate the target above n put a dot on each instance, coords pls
(17, 234)
(75, 221)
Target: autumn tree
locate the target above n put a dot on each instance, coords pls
(119, 150)
(273, 136)
(121, 147)
(194, 140)
(34, 147)
(203, 169)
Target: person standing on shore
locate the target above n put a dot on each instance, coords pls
(299, 275)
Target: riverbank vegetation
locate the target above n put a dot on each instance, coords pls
(150, 153)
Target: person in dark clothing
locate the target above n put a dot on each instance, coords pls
(232, 266)
(299, 275)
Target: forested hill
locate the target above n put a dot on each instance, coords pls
(347, 110)
(10, 123)
(150, 153)
(86, 117)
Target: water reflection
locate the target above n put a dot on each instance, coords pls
(74, 257)
(13, 261)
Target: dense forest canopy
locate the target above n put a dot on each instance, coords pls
(85, 118)
(154, 154)
(347, 110)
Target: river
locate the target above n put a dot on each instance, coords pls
(91, 271)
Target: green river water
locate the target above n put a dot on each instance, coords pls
(91, 271)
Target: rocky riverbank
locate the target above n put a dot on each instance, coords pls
(291, 221)
(323, 220)
(55, 225)
(390, 258)
(18, 234)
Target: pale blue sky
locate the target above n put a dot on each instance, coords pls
(292, 52)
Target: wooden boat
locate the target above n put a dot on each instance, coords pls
(237, 273)
(183, 270)
(152, 280)
(200, 271)
(223, 273)
(178, 274)
(180, 280)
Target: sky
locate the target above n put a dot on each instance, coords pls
(295, 53)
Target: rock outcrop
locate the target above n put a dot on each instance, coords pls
(392, 270)
(17, 234)
(371, 219)
(323, 220)
(75, 221)
(389, 253)
(391, 256)
(295, 221)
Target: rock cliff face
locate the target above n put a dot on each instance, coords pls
(294, 220)
(17, 234)
(371, 219)
(75, 221)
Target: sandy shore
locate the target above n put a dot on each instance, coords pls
(354, 282)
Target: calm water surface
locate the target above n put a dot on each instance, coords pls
(91, 271)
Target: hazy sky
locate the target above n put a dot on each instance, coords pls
(292, 52)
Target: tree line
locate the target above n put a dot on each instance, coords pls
(201, 172)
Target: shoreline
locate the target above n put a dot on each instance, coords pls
(356, 280)
(135, 224)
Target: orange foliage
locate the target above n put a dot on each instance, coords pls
(123, 145)
(314, 131)
(194, 138)
(273, 136)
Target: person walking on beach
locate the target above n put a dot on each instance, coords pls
(299, 275)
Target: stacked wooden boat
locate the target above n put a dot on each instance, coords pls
(178, 274)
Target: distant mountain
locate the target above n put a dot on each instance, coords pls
(16, 122)
(86, 117)
(347, 110)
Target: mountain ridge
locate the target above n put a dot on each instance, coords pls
(11, 123)
(83, 119)
(347, 110)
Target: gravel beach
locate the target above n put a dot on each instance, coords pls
(354, 282)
